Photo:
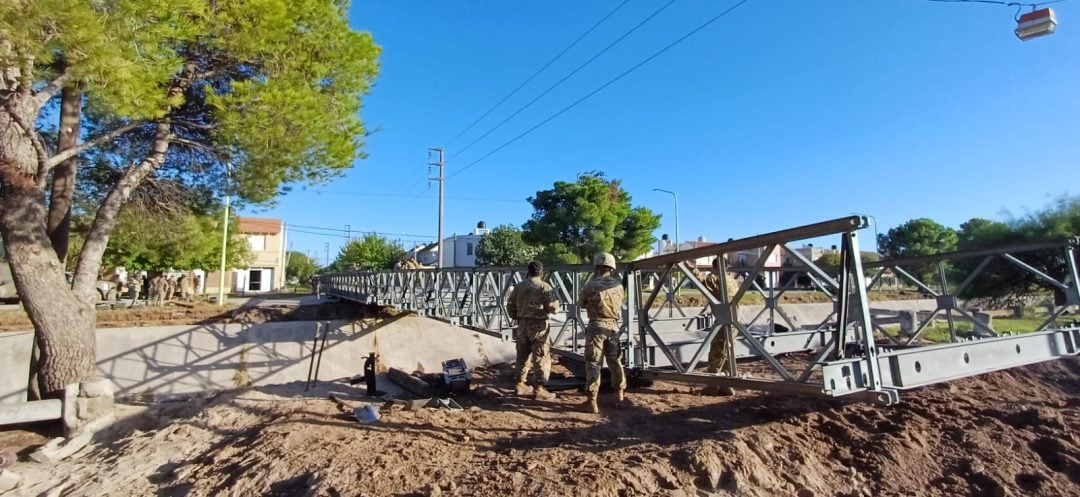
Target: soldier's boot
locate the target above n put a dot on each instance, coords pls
(590, 405)
(541, 393)
(522, 390)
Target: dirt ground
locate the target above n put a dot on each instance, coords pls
(179, 313)
(1009, 433)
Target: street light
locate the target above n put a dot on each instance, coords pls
(224, 239)
(676, 197)
(874, 220)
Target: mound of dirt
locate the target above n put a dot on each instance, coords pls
(181, 313)
(1007, 433)
(343, 310)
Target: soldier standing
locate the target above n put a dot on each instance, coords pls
(602, 297)
(187, 291)
(135, 284)
(531, 301)
(720, 349)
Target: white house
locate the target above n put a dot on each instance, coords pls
(460, 249)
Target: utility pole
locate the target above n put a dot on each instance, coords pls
(327, 253)
(442, 181)
(348, 233)
(224, 240)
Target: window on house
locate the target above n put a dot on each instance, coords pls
(257, 242)
(468, 249)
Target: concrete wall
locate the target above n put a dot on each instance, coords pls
(177, 360)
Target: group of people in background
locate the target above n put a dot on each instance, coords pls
(533, 300)
(162, 288)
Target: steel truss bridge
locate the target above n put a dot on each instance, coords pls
(856, 352)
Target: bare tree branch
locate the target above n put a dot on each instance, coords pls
(87, 145)
(42, 96)
(193, 144)
(105, 220)
(189, 124)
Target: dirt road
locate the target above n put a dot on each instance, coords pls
(1007, 433)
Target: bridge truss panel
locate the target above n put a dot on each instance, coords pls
(853, 352)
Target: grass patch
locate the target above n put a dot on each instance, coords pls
(939, 331)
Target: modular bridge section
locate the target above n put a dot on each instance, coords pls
(857, 351)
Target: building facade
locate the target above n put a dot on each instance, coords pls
(266, 273)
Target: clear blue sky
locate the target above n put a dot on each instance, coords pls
(780, 114)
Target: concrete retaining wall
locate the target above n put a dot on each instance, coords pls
(178, 360)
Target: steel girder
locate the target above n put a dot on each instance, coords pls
(847, 353)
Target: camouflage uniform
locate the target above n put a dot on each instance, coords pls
(187, 290)
(603, 299)
(135, 284)
(158, 287)
(530, 303)
(719, 351)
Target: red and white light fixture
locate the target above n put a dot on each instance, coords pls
(1035, 24)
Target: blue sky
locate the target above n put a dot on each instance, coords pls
(780, 114)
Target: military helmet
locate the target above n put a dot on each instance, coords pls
(604, 259)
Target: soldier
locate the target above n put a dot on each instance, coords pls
(602, 299)
(187, 292)
(170, 289)
(157, 289)
(719, 349)
(135, 284)
(531, 301)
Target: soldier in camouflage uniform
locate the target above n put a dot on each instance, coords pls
(719, 351)
(135, 284)
(531, 301)
(602, 297)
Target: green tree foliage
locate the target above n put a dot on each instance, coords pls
(262, 92)
(1002, 283)
(574, 221)
(917, 237)
(980, 233)
(504, 246)
(368, 252)
(830, 262)
(180, 241)
(300, 266)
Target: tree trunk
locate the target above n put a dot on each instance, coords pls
(64, 323)
(63, 186)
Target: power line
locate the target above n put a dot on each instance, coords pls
(997, 2)
(538, 71)
(372, 194)
(402, 235)
(568, 76)
(605, 85)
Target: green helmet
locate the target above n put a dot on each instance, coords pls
(604, 259)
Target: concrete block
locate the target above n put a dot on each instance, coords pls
(59, 449)
(29, 412)
(9, 480)
(97, 387)
(909, 322)
(89, 408)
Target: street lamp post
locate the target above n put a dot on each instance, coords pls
(224, 241)
(676, 197)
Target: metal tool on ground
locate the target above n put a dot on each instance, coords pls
(367, 413)
(316, 357)
(456, 375)
(369, 374)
